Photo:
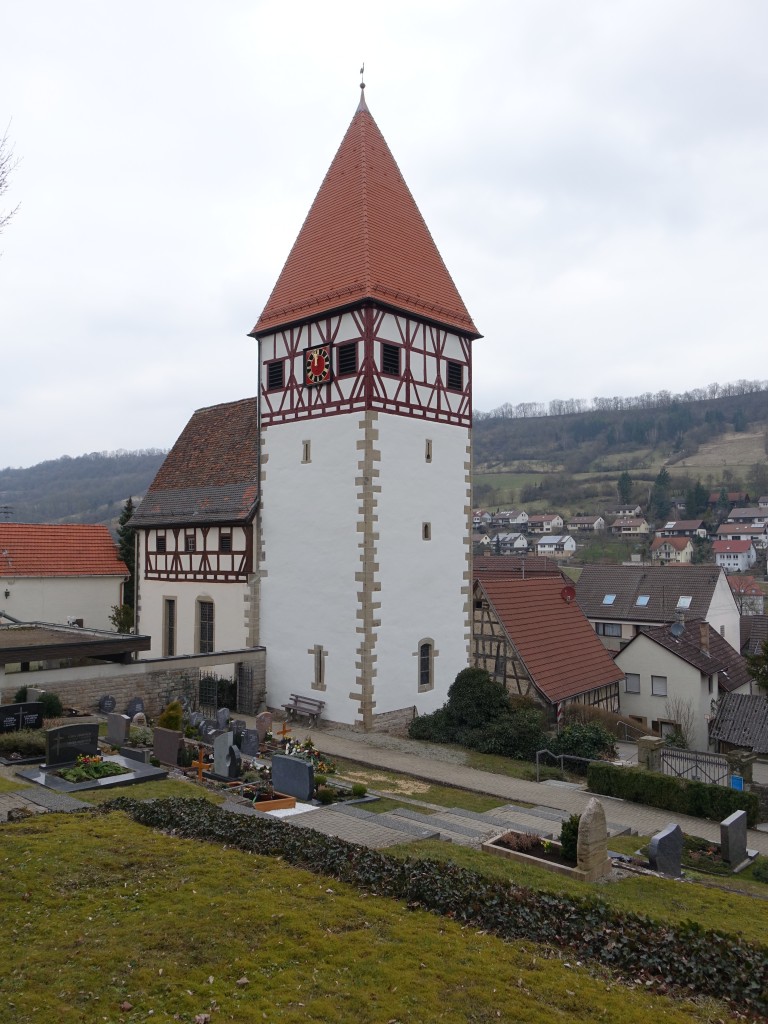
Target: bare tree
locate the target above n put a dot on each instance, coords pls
(680, 711)
(7, 164)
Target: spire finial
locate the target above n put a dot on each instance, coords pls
(362, 104)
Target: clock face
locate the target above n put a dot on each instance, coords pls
(317, 365)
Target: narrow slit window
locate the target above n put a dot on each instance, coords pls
(275, 375)
(426, 665)
(306, 451)
(346, 361)
(455, 376)
(390, 359)
(426, 531)
(428, 451)
(160, 543)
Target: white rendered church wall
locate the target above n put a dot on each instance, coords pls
(310, 542)
(422, 580)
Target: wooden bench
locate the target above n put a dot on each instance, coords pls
(309, 706)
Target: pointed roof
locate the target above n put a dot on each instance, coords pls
(364, 238)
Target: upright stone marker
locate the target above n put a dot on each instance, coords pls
(234, 762)
(249, 743)
(592, 846)
(166, 745)
(221, 744)
(665, 851)
(107, 704)
(293, 776)
(264, 724)
(118, 727)
(222, 718)
(64, 744)
(135, 707)
(733, 838)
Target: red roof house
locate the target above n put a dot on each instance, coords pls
(531, 634)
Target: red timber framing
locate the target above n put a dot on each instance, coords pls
(207, 562)
(420, 390)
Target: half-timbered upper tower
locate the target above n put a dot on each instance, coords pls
(365, 404)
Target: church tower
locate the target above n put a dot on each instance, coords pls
(364, 543)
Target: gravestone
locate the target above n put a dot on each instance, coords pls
(222, 718)
(117, 729)
(28, 715)
(592, 845)
(196, 719)
(263, 724)
(221, 744)
(139, 720)
(34, 694)
(107, 704)
(166, 745)
(234, 762)
(65, 743)
(207, 731)
(249, 743)
(135, 707)
(293, 776)
(665, 851)
(733, 838)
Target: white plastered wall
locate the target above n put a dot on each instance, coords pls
(60, 598)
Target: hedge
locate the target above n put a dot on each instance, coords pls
(687, 957)
(685, 796)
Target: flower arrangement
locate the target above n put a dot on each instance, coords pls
(306, 749)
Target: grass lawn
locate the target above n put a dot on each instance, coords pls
(153, 791)
(107, 921)
(10, 785)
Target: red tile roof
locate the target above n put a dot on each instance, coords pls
(734, 547)
(552, 637)
(364, 238)
(517, 566)
(678, 543)
(70, 550)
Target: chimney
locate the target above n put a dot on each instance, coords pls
(704, 635)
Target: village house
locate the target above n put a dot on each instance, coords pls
(364, 414)
(749, 598)
(512, 517)
(758, 535)
(673, 676)
(630, 526)
(734, 555)
(586, 524)
(619, 599)
(731, 498)
(547, 522)
(562, 546)
(683, 528)
(748, 516)
(531, 635)
(672, 549)
(506, 543)
(69, 573)
(741, 723)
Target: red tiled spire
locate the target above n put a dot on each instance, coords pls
(364, 238)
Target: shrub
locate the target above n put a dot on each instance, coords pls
(584, 740)
(760, 869)
(682, 795)
(52, 706)
(325, 795)
(185, 756)
(569, 837)
(320, 780)
(475, 699)
(140, 736)
(432, 727)
(359, 789)
(517, 735)
(171, 717)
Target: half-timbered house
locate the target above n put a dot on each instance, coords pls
(531, 635)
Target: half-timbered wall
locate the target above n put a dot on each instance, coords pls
(203, 553)
(430, 358)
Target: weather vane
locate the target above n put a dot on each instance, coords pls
(362, 72)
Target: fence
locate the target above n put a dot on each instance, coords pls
(696, 765)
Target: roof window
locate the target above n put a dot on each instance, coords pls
(683, 603)
(642, 601)
(609, 599)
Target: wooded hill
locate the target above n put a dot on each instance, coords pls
(87, 489)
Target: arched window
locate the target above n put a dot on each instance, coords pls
(426, 664)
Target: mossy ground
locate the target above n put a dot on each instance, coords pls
(100, 912)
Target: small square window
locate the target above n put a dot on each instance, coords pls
(189, 542)
(631, 683)
(275, 375)
(684, 603)
(642, 601)
(455, 376)
(659, 686)
(390, 359)
(609, 599)
(346, 360)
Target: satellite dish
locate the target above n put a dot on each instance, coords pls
(677, 629)
(568, 593)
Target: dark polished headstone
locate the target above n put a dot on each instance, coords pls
(107, 704)
(665, 851)
(28, 715)
(65, 743)
(249, 743)
(293, 776)
(135, 707)
(234, 762)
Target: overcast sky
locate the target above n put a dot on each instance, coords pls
(594, 172)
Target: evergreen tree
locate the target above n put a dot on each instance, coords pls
(126, 549)
(624, 487)
(660, 496)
